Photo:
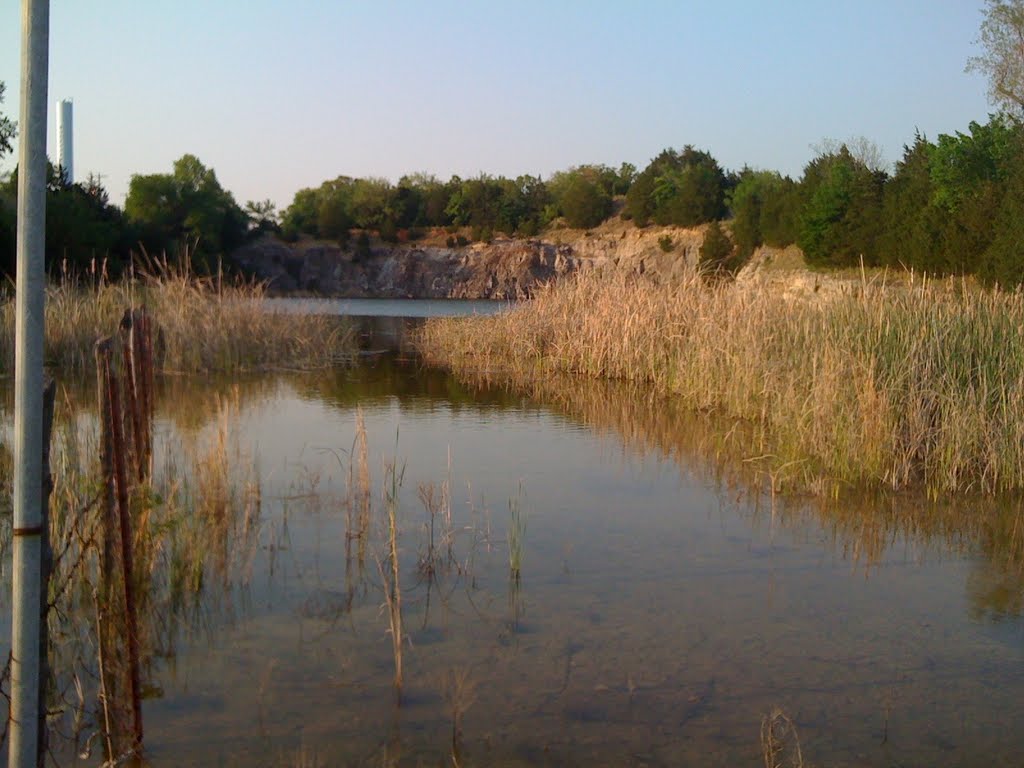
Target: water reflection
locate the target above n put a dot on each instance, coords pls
(665, 601)
(866, 528)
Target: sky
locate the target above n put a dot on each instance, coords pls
(278, 96)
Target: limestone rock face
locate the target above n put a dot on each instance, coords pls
(502, 269)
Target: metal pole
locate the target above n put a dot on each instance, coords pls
(28, 384)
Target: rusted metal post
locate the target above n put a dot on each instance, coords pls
(143, 346)
(131, 395)
(102, 353)
(127, 564)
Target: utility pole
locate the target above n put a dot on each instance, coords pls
(28, 386)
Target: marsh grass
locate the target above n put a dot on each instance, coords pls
(459, 692)
(876, 385)
(204, 324)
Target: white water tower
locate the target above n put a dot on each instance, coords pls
(65, 147)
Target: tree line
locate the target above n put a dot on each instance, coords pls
(950, 206)
(164, 214)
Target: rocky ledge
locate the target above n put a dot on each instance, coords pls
(501, 269)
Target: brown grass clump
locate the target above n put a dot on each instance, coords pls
(205, 324)
(921, 384)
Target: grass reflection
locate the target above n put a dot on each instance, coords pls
(862, 526)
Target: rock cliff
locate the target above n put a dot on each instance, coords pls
(501, 269)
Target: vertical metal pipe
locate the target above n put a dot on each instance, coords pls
(28, 384)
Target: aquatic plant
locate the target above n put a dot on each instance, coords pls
(389, 569)
(516, 533)
(431, 499)
(780, 740)
(196, 514)
(459, 690)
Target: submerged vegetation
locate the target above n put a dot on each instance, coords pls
(873, 385)
(194, 522)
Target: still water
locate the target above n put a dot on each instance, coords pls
(664, 607)
(406, 308)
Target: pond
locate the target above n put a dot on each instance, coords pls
(406, 308)
(584, 580)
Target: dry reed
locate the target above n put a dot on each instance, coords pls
(204, 325)
(780, 743)
(390, 573)
(876, 385)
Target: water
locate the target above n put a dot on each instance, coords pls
(390, 307)
(664, 608)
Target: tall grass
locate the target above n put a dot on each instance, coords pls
(204, 324)
(874, 385)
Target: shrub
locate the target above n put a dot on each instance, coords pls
(665, 243)
(389, 232)
(716, 252)
(585, 204)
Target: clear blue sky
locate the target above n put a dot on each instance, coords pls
(276, 96)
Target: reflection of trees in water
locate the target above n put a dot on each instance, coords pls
(382, 378)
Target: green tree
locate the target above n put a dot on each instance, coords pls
(963, 162)
(624, 179)
(301, 216)
(8, 128)
(431, 196)
(746, 203)
(263, 216)
(333, 220)
(476, 202)
(685, 188)
(970, 173)
(1002, 259)
(582, 194)
(186, 206)
(584, 202)
(84, 232)
(717, 253)
(640, 202)
(368, 202)
(841, 218)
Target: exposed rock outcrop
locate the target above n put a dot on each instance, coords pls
(501, 269)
